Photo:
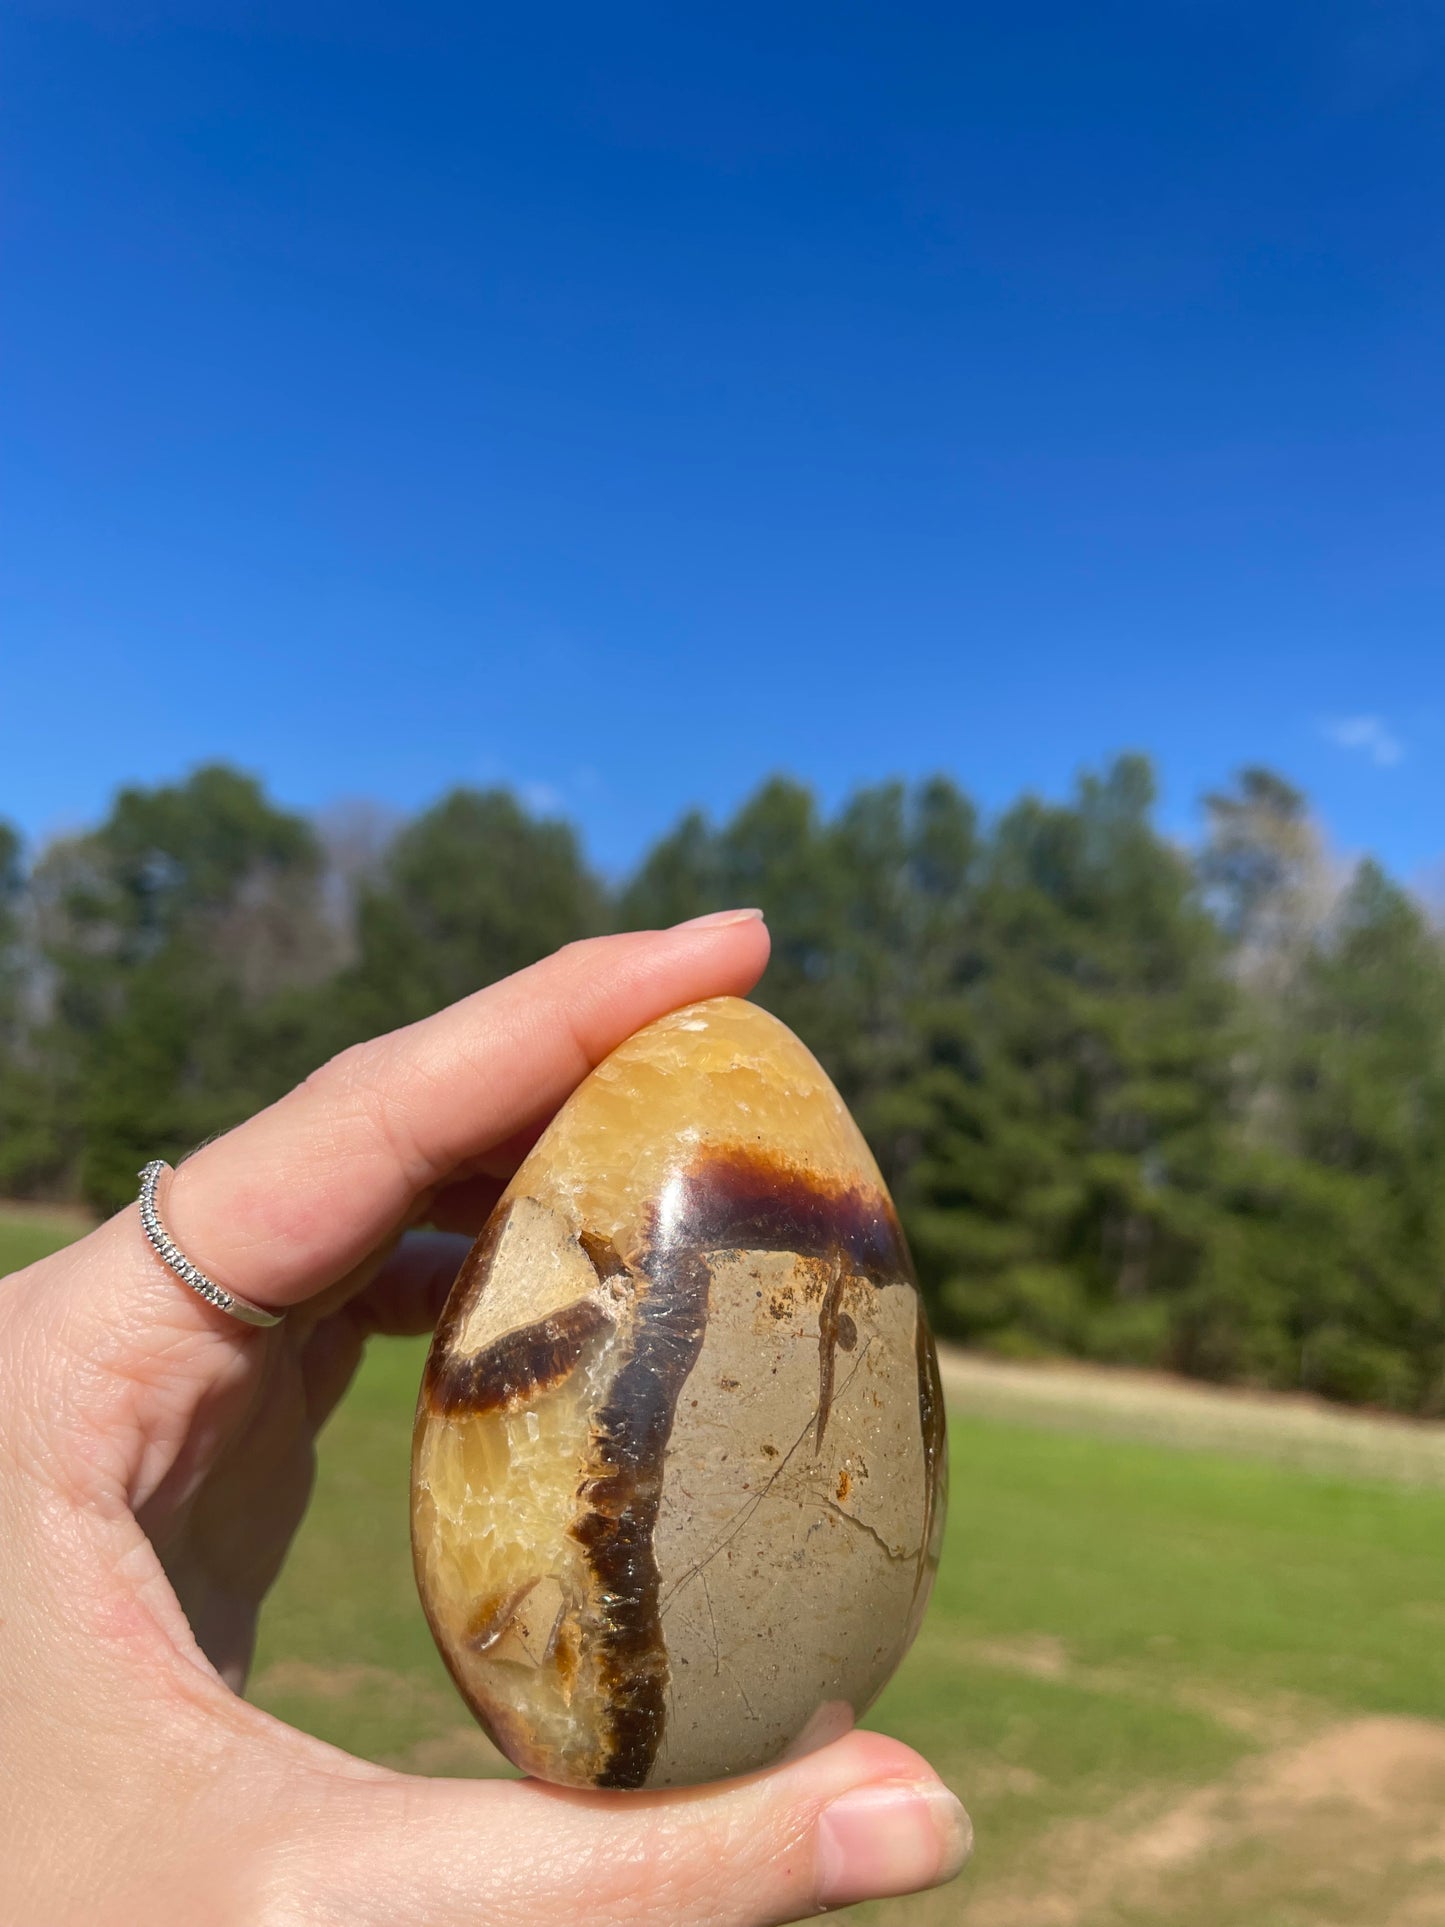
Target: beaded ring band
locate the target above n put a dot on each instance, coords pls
(171, 1255)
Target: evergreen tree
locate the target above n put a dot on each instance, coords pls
(166, 930)
(1363, 1123)
(680, 877)
(775, 853)
(29, 1154)
(470, 891)
(12, 884)
(1062, 1196)
(907, 859)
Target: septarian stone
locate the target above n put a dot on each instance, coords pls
(678, 1465)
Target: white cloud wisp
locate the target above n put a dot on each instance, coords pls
(1369, 736)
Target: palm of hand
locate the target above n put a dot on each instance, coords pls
(236, 1487)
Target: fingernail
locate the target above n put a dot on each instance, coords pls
(716, 918)
(889, 1839)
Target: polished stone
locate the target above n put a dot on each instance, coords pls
(678, 1465)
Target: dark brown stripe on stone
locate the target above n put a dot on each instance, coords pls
(934, 1425)
(622, 1497)
(741, 1199)
(830, 1313)
(607, 1260)
(516, 1367)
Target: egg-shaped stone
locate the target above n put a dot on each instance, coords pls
(678, 1469)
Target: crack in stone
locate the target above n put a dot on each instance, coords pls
(898, 1558)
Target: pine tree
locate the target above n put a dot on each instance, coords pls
(468, 892)
(166, 930)
(1062, 1197)
(30, 1154)
(1363, 1118)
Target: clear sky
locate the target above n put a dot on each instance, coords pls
(626, 401)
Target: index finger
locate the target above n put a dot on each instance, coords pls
(296, 1197)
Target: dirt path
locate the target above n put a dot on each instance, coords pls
(1344, 1829)
(74, 1217)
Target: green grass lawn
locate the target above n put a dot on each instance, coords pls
(1175, 1687)
(28, 1234)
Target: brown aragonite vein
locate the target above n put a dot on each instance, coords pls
(734, 1198)
(517, 1366)
(607, 1261)
(935, 1468)
(480, 1361)
(830, 1316)
(739, 1198)
(622, 1493)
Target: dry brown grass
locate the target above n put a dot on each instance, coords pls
(1286, 1429)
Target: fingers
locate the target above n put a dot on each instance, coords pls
(296, 1197)
(299, 1194)
(406, 1296)
(404, 1299)
(863, 1819)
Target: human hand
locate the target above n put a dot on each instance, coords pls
(156, 1457)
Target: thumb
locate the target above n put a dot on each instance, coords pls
(863, 1819)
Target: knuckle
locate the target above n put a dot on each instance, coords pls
(355, 1068)
(370, 1093)
(584, 948)
(579, 953)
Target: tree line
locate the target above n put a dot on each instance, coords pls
(1136, 1103)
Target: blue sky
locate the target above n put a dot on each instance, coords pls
(626, 402)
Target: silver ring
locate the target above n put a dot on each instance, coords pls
(170, 1253)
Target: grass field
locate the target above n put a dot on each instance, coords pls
(1185, 1664)
(28, 1232)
